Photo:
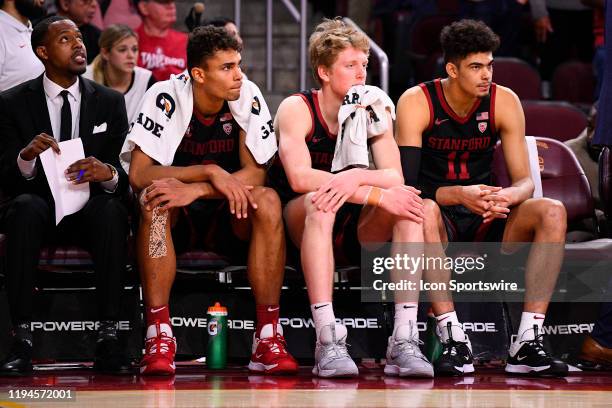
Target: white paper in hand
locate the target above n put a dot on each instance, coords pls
(69, 198)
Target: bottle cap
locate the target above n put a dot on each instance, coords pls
(217, 309)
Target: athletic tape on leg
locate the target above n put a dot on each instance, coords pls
(157, 231)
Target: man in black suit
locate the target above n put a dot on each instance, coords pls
(34, 116)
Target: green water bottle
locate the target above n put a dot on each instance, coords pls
(216, 357)
(433, 346)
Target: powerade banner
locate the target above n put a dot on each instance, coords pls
(65, 324)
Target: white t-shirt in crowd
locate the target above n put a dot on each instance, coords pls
(18, 63)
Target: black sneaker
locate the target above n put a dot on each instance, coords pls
(19, 360)
(532, 359)
(456, 358)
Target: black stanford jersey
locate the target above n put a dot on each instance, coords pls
(211, 141)
(457, 150)
(321, 146)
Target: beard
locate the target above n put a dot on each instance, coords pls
(29, 9)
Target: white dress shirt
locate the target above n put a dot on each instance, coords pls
(18, 63)
(54, 106)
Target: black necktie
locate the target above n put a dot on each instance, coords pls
(66, 124)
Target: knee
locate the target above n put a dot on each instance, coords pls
(268, 206)
(29, 208)
(113, 214)
(316, 217)
(553, 216)
(114, 209)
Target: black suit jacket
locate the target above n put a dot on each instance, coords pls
(24, 114)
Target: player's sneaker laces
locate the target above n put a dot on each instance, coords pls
(404, 357)
(529, 357)
(270, 353)
(159, 354)
(456, 357)
(331, 356)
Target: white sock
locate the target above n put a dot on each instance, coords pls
(163, 327)
(456, 328)
(528, 320)
(323, 315)
(405, 312)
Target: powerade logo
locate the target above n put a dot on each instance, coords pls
(474, 327)
(74, 326)
(566, 329)
(355, 322)
(201, 323)
(213, 328)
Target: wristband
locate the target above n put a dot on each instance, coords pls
(374, 196)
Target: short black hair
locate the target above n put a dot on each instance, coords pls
(204, 41)
(466, 37)
(219, 21)
(39, 33)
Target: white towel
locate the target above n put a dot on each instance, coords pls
(166, 112)
(361, 116)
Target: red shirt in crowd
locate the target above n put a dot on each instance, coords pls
(162, 55)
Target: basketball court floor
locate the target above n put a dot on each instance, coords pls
(198, 387)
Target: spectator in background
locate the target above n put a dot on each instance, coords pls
(38, 115)
(229, 25)
(503, 16)
(565, 28)
(195, 17)
(82, 12)
(588, 154)
(120, 12)
(115, 67)
(162, 49)
(17, 60)
(598, 45)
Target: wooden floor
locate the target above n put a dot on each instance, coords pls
(197, 387)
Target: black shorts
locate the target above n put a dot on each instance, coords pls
(206, 225)
(347, 250)
(462, 225)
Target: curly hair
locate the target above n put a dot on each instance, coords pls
(204, 41)
(466, 37)
(329, 39)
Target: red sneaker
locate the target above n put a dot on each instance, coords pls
(270, 355)
(159, 354)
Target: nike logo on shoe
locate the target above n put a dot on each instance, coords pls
(258, 356)
(521, 358)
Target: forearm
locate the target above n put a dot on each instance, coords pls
(143, 177)
(251, 176)
(383, 178)
(450, 195)
(359, 197)
(520, 191)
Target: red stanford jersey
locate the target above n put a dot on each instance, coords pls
(457, 150)
(162, 55)
(213, 141)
